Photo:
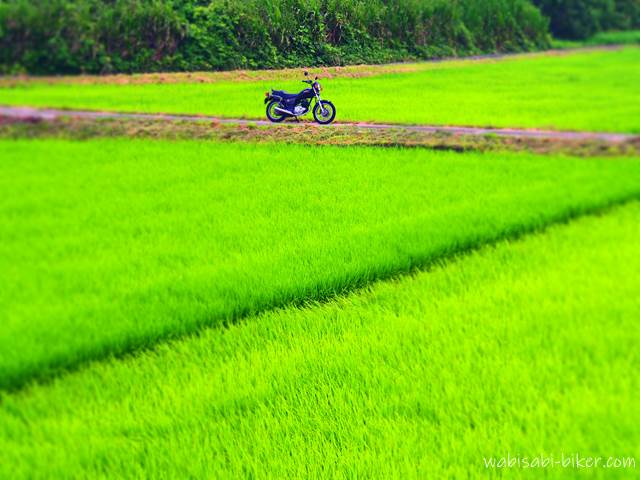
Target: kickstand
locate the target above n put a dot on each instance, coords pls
(297, 119)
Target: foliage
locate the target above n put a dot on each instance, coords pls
(70, 36)
(581, 19)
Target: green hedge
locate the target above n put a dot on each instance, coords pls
(98, 36)
(581, 19)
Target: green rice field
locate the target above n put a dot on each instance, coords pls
(527, 347)
(221, 307)
(591, 91)
(110, 245)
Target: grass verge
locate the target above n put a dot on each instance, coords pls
(111, 245)
(285, 74)
(629, 37)
(525, 348)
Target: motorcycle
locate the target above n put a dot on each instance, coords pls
(282, 105)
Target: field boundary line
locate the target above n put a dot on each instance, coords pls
(42, 375)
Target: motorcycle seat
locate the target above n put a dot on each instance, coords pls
(285, 95)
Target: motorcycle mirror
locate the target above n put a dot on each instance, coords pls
(306, 74)
(316, 78)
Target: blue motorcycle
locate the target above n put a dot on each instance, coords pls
(282, 105)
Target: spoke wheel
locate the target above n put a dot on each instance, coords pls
(324, 112)
(274, 115)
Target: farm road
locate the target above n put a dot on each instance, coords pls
(29, 113)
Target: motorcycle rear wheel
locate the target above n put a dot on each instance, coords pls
(272, 115)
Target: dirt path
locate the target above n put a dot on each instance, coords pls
(29, 113)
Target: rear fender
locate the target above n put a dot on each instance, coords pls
(272, 97)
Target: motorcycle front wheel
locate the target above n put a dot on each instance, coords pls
(272, 114)
(324, 112)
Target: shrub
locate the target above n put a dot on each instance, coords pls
(69, 36)
(581, 19)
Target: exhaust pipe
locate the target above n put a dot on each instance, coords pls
(281, 110)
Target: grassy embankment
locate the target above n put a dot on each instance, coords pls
(526, 348)
(627, 37)
(592, 91)
(111, 245)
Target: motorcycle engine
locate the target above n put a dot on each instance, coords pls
(302, 107)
